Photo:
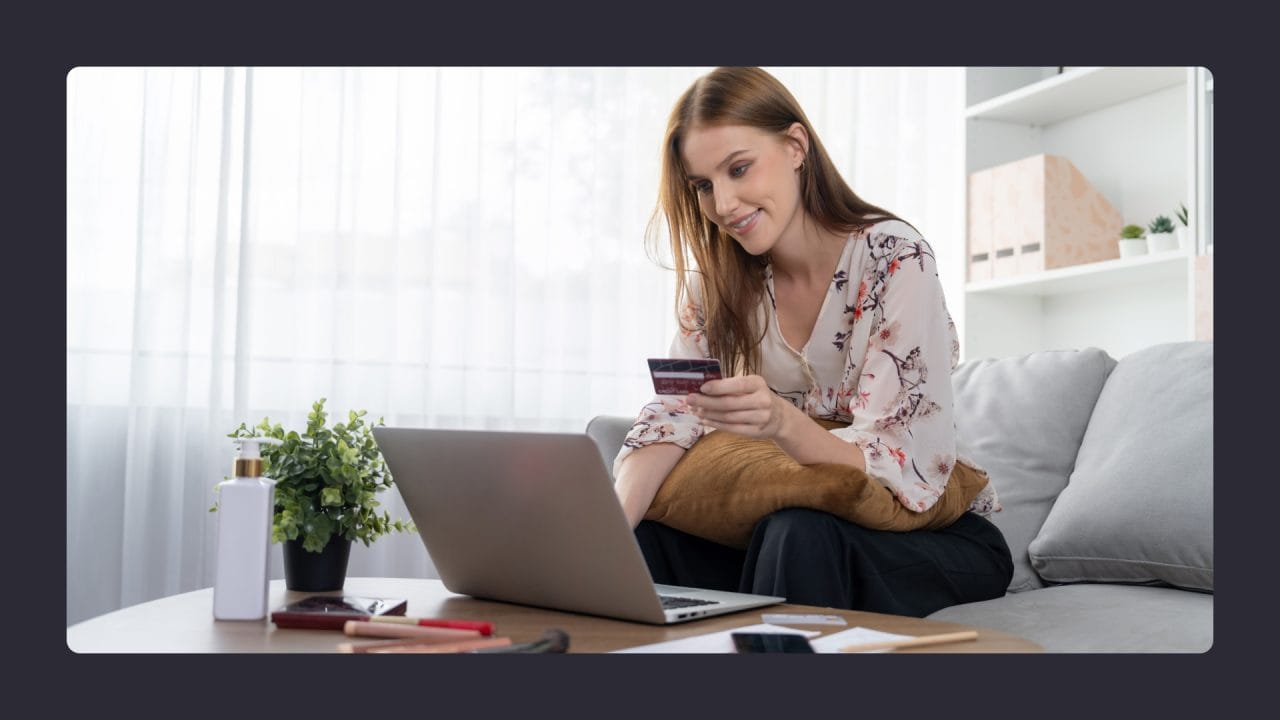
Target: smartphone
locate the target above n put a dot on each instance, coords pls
(771, 643)
(331, 612)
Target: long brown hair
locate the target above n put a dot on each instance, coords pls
(732, 278)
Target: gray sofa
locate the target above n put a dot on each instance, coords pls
(1105, 473)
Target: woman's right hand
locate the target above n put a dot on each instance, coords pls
(641, 474)
(744, 405)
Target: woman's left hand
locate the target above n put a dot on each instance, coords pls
(744, 405)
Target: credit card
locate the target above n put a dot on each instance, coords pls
(802, 619)
(681, 376)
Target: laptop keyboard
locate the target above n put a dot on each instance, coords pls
(670, 602)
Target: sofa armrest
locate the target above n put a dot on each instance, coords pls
(608, 431)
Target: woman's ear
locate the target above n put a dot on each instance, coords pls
(797, 139)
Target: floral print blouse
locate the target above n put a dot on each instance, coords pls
(879, 361)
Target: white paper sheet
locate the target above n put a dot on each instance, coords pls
(717, 642)
(853, 636)
(722, 642)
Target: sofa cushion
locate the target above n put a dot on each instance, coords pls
(608, 432)
(1097, 618)
(1022, 420)
(1139, 506)
(726, 483)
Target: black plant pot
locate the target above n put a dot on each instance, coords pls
(316, 572)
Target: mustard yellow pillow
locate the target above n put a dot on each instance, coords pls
(726, 483)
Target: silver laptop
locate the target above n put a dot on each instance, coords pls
(532, 518)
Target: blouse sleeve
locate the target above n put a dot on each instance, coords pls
(667, 418)
(903, 422)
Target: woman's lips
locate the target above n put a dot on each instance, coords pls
(745, 225)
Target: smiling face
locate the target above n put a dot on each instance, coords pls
(746, 181)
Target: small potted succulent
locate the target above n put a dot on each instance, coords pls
(1131, 241)
(1184, 227)
(1160, 237)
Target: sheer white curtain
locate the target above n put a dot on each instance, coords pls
(445, 247)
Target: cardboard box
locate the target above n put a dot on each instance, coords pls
(1016, 215)
(980, 240)
(1044, 214)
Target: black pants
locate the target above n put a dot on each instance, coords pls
(815, 558)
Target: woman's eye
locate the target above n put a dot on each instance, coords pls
(702, 187)
(738, 171)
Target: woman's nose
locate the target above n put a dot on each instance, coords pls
(726, 202)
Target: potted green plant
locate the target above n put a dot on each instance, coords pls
(1131, 241)
(1160, 236)
(327, 479)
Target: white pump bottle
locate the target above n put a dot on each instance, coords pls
(246, 503)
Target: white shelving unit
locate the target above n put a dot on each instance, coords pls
(1167, 266)
(1078, 92)
(1142, 137)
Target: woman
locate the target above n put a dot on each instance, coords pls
(819, 305)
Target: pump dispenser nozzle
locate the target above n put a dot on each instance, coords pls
(249, 462)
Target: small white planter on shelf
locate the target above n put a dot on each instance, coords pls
(1184, 238)
(1162, 242)
(1130, 247)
